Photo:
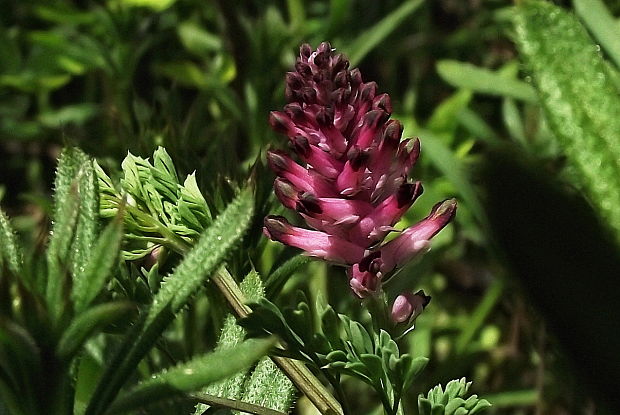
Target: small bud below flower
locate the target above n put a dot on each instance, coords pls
(408, 306)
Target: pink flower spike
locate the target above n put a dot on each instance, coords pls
(315, 243)
(351, 183)
(408, 306)
(380, 221)
(298, 176)
(317, 158)
(416, 239)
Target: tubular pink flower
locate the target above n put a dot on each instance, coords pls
(315, 243)
(352, 184)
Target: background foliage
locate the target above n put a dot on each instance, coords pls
(517, 111)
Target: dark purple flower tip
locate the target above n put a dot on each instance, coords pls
(407, 193)
(392, 131)
(305, 51)
(383, 102)
(286, 192)
(309, 204)
(363, 283)
(280, 122)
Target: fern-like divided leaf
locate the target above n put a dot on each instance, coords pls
(335, 343)
(583, 111)
(176, 290)
(193, 375)
(160, 210)
(451, 401)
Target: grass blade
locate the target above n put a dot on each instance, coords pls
(88, 323)
(484, 81)
(372, 37)
(602, 25)
(99, 266)
(193, 375)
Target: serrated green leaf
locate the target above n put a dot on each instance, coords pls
(176, 290)
(58, 250)
(88, 323)
(11, 252)
(583, 111)
(99, 265)
(481, 80)
(193, 375)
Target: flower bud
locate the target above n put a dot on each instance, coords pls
(408, 306)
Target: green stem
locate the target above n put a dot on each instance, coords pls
(233, 404)
(296, 371)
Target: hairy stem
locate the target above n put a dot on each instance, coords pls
(299, 374)
(233, 404)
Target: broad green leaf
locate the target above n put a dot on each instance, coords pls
(583, 111)
(176, 290)
(197, 40)
(77, 114)
(87, 324)
(155, 5)
(481, 80)
(11, 251)
(99, 266)
(372, 37)
(193, 375)
(602, 25)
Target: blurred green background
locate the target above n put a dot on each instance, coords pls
(200, 77)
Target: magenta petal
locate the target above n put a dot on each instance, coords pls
(315, 243)
(415, 240)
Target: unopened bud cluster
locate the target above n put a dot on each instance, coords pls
(352, 184)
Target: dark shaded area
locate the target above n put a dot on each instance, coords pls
(565, 262)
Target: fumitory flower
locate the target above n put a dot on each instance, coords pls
(350, 178)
